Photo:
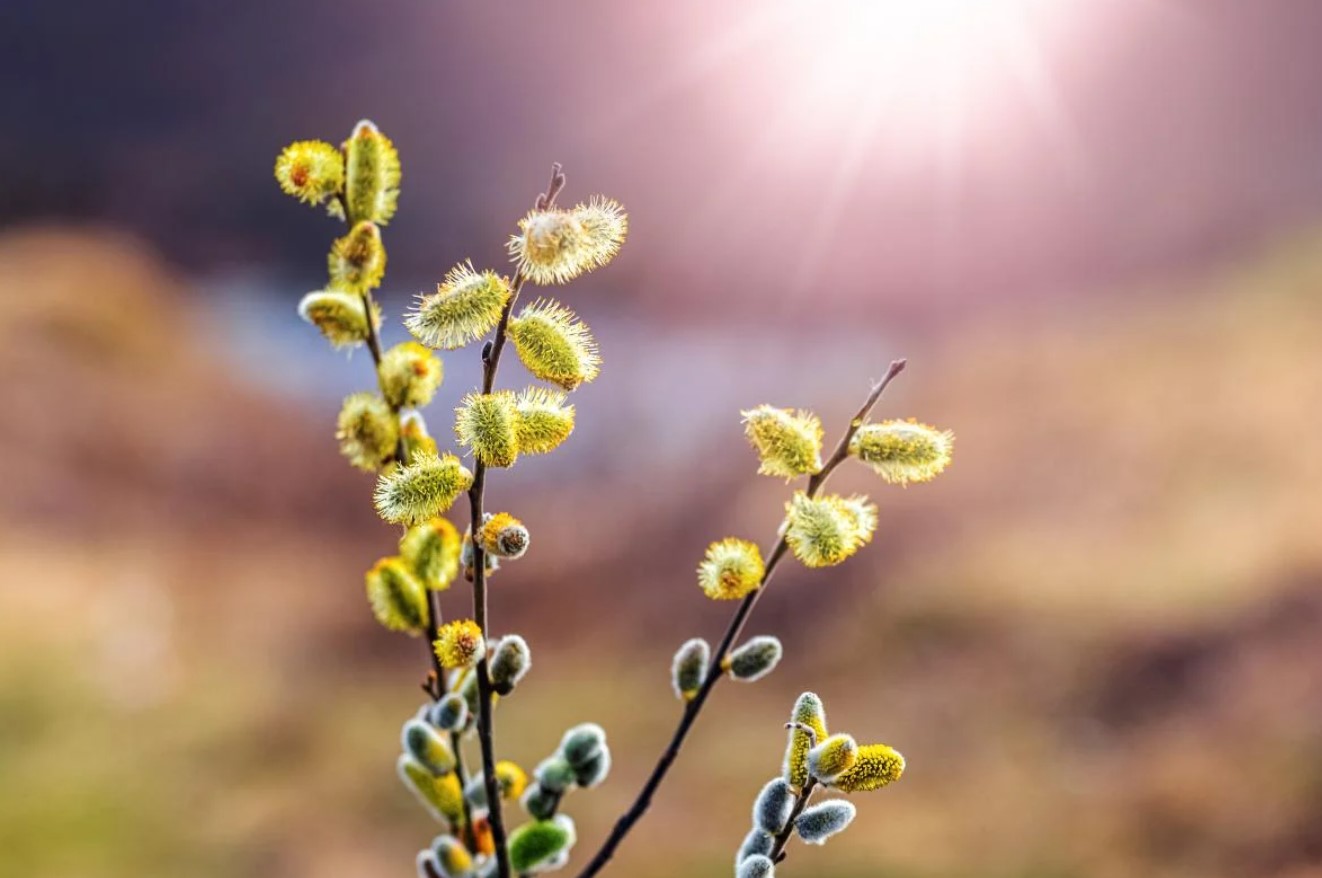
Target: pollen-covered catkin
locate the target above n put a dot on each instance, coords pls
(421, 741)
(788, 443)
(503, 535)
(357, 262)
(688, 670)
(544, 420)
(466, 306)
(731, 569)
(397, 597)
(423, 489)
(453, 859)
(755, 659)
(808, 711)
(310, 170)
(903, 451)
(877, 766)
(552, 247)
(554, 344)
(510, 661)
(771, 810)
(487, 424)
(824, 531)
(413, 434)
(510, 779)
(368, 431)
(605, 226)
(819, 822)
(372, 175)
(534, 844)
(460, 644)
(441, 796)
(432, 550)
(341, 317)
(756, 866)
(410, 374)
(832, 757)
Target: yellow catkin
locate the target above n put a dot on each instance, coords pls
(487, 424)
(512, 779)
(731, 569)
(372, 175)
(341, 317)
(788, 443)
(876, 766)
(554, 345)
(368, 431)
(823, 532)
(423, 489)
(545, 420)
(466, 306)
(552, 247)
(357, 262)
(605, 225)
(503, 535)
(459, 644)
(310, 170)
(903, 451)
(432, 550)
(808, 711)
(410, 375)
(397, 596)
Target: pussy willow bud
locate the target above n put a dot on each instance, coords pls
(554, 344)
(340, 316)
(756, 866)
(544, 420)
(410, 374)
(466, 306)
(539, 802)
(819, 822)
(771, 810)
(487, 423)
(605, 225)
(503, 535)
(511, 779)
(421, 741)
(413, 433)
(450, 713)
(367, 430)
(731, 569)
(532, 845)
(476, 791)
(823, 532)
(460, 644)
(423, 489)
(552, 247)
(397, 597)
(441, 796)
(592, 772)
(832, 757)
(877, 765)
(808, 711)
(357, 262)
(788, 443)
(582, 742)
(310, 170)
(432, 550)
(371, 175)
(903, 451)
(427, 866)
(467, 688)
(688, 670)
(510, 660)
(554, 774)
(466, 555)
(758, 842)
(451, 856)
(755, 659)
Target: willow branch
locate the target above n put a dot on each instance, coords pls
(490, 362)
(716, 669)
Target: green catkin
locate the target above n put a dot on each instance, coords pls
(554, 345)
(688, 670)
(423, 489)
(487, 424)
(903, 451)
(410, 375)
(432, 550)
(755, 659)
(581, 743)
(788, 443)
(452, 858)
(539, 802)
(367, 430)
(340, 317)
(819, 822)
(450, 713)
(413, 433)
(771, 809)
(877, 766)
(591, 772)
(441, 796)
(758, 842)
(371, 175)
(808, 711)
(421, 741)
(357, 262)
(534, 844)
(824, 531)
(554, 774)
(545, 420)
(466, 306)
(832, 758)
(397, 597)
(510, 661)
(756, 866)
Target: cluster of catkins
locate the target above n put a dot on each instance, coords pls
(813, 758)
(383, 431)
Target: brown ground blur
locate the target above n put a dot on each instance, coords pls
(1097, 638)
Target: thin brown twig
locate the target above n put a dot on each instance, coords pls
(716, 669)
(490, 362)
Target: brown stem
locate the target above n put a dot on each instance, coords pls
(490, 362)
(715, 670)
(782, 838)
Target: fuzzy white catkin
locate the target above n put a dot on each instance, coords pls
(818, 823)
(756, 866)
(772, 809)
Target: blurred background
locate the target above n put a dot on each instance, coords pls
(1094, 227)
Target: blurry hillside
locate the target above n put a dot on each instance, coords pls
(1096, 639)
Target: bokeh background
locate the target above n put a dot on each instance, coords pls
(1094, 227)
